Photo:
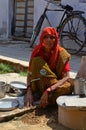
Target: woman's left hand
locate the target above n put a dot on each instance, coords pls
(44, 99)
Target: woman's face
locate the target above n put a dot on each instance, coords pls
(49, 41)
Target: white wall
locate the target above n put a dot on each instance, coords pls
(54, 16)
(3, 19)
(77, 4)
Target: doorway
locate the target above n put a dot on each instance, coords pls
(22, 18)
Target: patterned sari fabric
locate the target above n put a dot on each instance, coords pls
(42, 77)
(43, 74)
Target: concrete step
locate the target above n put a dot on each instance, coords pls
(18, 65)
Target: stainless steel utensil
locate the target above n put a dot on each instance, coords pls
(2, 89)
(79, 86)
(8, 104)
(18, 88)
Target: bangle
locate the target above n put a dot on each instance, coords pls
(48, 90)
(28, 87)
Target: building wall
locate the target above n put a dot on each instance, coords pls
(77, 4)
(3, 18)
(54, 16)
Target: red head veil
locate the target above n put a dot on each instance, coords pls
(54, 50)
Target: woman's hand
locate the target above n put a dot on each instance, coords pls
(28, 99)
(44, 99)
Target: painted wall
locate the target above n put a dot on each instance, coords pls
(54, 16)
(3, 18)
(77, 4)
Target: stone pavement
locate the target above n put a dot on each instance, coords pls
(19, 52)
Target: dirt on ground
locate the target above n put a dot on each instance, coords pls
(37, 118)
(39, 115)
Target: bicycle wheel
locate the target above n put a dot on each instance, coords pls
(36, 30)
(72, 33)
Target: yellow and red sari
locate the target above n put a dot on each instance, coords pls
(46, 71)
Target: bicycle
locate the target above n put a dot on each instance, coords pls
(71, 28)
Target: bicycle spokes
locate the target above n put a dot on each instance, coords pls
(73, 34)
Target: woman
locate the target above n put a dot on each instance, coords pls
(48, 72)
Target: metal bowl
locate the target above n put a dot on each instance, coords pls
(17, 88)
(8, 104)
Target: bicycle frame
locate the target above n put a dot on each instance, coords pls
(67, 16)
(62, 18)
(64, 9)
(46, 16)
(38, 26)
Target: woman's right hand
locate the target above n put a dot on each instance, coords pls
(28, 99)
(44, 99)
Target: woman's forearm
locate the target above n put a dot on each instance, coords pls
(60, 82)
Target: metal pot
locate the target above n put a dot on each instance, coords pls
(79, 86)
(17, 88)
(2, 89)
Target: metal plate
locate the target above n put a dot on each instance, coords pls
(18, 85)
(8, 104)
